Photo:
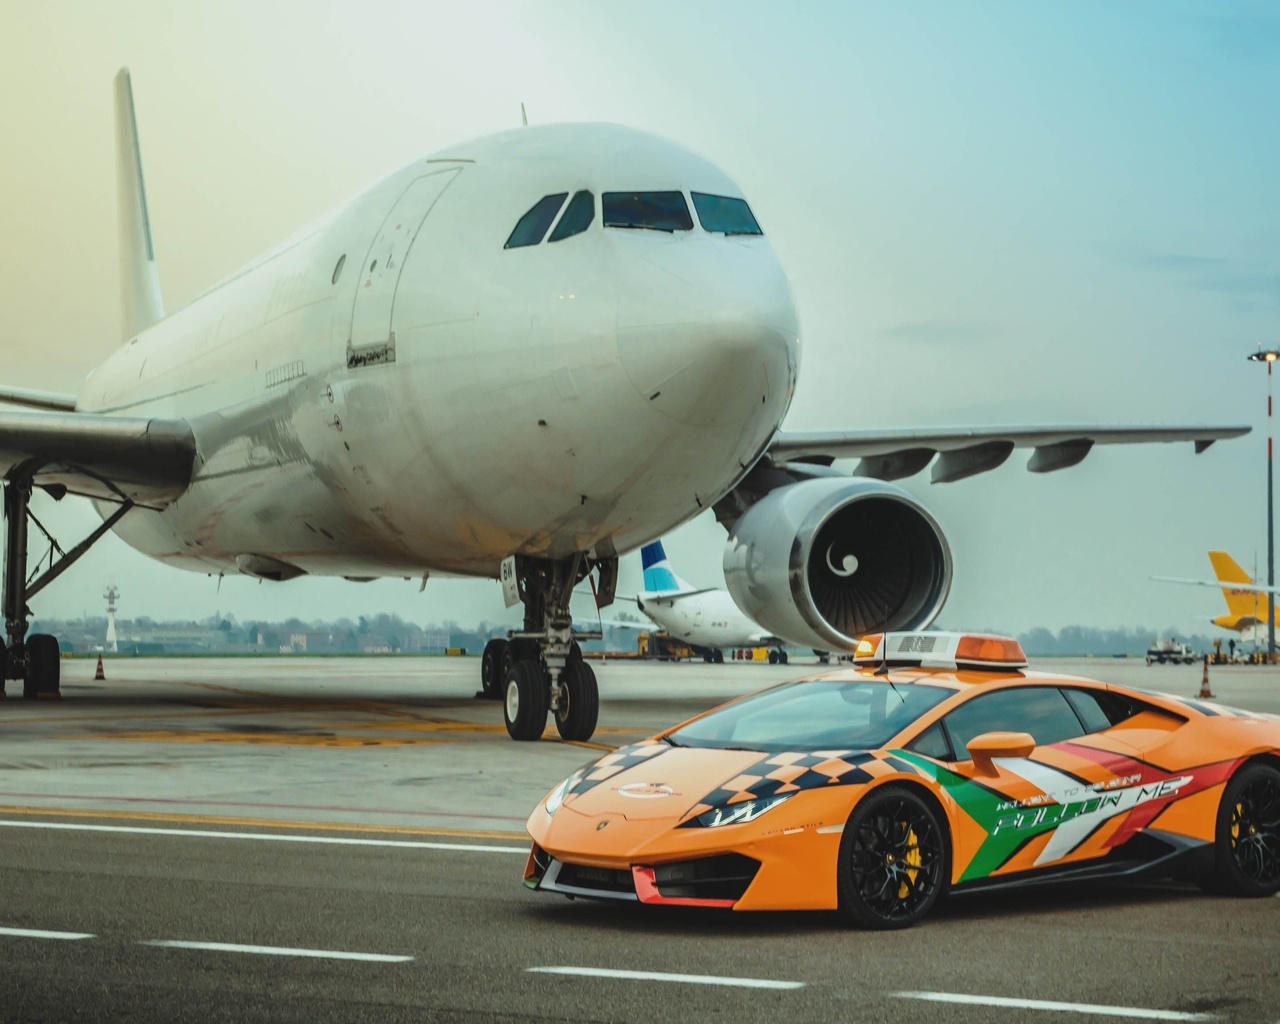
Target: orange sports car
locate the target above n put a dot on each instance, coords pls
(937, 763)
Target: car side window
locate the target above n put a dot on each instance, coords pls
(932, 743)
(1041, 711)
(1089, 707)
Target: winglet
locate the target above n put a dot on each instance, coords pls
(140, 301)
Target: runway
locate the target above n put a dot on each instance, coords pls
(341, 840)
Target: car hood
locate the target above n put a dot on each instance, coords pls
(655, 780)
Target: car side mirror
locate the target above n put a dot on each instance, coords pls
(983, 749)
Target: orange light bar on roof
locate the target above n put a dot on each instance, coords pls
(868, 645)
(994, 649)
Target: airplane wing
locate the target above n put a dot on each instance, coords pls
(967, 451)
(1219, 584)
(38, 399)
(111, 457)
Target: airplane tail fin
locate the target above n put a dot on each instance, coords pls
(140, 301)
(658, 575)
(1239, 602)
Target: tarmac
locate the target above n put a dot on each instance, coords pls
(323, 838)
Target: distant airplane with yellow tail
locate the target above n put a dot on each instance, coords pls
(1246, 600)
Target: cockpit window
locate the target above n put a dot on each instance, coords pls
(578, 216)
(725, 214)
(657, 211)
(533, 225)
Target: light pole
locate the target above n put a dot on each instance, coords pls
(1269, 356)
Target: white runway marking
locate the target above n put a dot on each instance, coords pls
(1045, 1004)
(404, 844)
(316, 954)
(33, 933)
(686, 979)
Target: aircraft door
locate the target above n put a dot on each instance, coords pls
(371, 340)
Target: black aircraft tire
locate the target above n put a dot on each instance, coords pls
(894, 860)
(579, 702)
(44, 666)
(773, 657)
(493, 668)
(524, 708)
(1247, 843)
(782, 657)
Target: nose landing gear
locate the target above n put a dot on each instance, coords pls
(541, 668)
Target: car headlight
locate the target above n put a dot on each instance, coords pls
(736, 814)
(557, 796)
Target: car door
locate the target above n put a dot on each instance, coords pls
(1033, 813)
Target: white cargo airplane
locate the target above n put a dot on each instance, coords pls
(517, 358)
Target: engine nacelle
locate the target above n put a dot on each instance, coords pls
(823, 562)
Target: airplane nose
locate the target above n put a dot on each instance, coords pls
(709, 333)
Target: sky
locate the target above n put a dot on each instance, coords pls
(1004, 213)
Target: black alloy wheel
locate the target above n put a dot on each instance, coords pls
(524, 707)
(1247, 846)
(894, 858)
(493, 668)
(579, 701)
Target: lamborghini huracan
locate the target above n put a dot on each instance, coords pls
(936, 764)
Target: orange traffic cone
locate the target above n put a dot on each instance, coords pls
(1204, 680)
(99, 674)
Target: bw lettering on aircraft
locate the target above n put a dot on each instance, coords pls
(514, 351)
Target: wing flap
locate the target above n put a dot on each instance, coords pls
(893, 454)
(148, 460)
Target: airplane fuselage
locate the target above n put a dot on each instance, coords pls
(708, 619)
(393, 392)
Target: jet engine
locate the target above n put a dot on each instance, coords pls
(825, 561)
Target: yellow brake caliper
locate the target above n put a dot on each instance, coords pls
(1235, 825)
(913, 860)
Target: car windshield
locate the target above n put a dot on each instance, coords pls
(725, 214)
(821, 714)
(657, 211)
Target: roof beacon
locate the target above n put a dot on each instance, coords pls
(940, 650)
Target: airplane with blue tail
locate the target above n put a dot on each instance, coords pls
(705, 618)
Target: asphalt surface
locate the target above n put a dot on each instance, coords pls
(381, 881)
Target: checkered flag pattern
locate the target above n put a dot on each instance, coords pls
(615, 764)
(788, 773)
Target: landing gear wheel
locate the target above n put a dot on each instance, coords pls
(1247, 847)
(44, 667)
(717, 657)
(493, 668)
(782, 657)
(579, 702)
(894, 860)
(4, 665)
(773, 657)
(525, 707)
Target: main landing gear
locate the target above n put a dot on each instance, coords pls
(36, 660)
(540, 668)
